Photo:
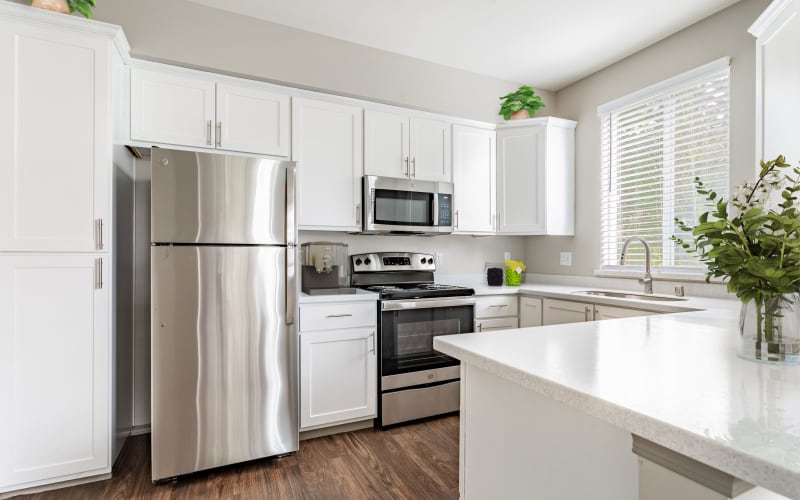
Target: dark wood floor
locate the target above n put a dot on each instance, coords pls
(418, 461)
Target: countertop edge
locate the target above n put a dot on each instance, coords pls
(705, 450)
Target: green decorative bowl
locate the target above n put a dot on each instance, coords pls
(513, 278)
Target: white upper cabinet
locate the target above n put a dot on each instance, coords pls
(536, 177)
(54, 139)
(172, 109)
(474, 174)
(777, 33)
(252, 119)
(386, 144)
(397, 145)
(187, 108)
(327, 146)
(429, 149)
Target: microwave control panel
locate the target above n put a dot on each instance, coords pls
(445, 210)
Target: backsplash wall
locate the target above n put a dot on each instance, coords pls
(460, 254)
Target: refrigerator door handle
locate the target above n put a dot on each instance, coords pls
(291, 284)
(291, 214)
(291, 244)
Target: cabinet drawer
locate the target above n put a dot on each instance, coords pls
(496, 306)
(486, 325)
(337, 315)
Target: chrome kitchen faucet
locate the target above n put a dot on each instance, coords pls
(647, 280)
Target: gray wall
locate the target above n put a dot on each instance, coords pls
(186, 33)
(724, 34)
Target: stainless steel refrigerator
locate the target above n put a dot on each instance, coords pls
(224, 369)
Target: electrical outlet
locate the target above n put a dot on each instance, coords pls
(439, 258)
(506, 255)
(566, 259)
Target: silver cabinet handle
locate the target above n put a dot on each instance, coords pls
(480, 327)
(338, 315)
(414, 167)
(98, 234)
(219, 134)
(372, 343)
(405, 161)
(586, 311)
(494, 222)
(499, 305)
(208, 133)
(358, 214)
(456, 219)
(98, 273)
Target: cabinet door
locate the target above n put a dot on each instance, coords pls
(610, 312)
(474, 174)
(489, 325)
(530, 311)
(252, 119)
(55, 133)
(556, 312)
(172, 108)
(495, 306)
(337, 376)
(521, 180)
(429, 148)
(385, 144)
(326, 143)
(54, 367)
(778, 78)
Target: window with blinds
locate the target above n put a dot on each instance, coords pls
(654, 143)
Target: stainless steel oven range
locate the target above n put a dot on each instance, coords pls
(415, 381)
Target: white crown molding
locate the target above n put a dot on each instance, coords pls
(551, 121)
(775, 9)
(26, 13)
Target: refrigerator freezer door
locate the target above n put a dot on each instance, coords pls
(217, 199)
(224, 370)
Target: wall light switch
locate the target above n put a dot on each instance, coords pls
(566, 259)
(506, 255)
(439, 258)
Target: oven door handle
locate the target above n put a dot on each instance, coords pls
(396, 305)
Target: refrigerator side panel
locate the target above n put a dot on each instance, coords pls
(224, 370)
(217, 199)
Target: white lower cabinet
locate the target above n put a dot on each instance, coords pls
(610, 312)
(556, 312)
(54, 368)
(338, 366)
(496, 312)
(530, 311)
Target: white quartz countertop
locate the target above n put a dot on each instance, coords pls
(674, 379)
(360, 295)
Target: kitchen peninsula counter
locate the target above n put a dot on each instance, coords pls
(672, 379)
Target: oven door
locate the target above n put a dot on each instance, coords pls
(408, 206)
(409, 326)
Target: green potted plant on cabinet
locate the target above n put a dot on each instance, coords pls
(83, 7)
(520, 104)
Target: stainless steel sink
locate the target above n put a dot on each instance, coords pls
(628, 295)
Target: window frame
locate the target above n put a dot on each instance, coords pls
(605, 112)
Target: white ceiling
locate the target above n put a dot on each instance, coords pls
(545, 43)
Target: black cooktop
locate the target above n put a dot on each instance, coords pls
(418, 290)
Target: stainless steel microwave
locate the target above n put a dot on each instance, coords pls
(406, 206)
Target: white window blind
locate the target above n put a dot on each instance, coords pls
(654, 143)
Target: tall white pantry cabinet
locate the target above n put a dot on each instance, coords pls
(60, 77)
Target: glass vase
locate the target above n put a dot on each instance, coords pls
(769, 329)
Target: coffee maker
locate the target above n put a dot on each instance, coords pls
(325, 268)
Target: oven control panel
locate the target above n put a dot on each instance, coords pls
(392, 261)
